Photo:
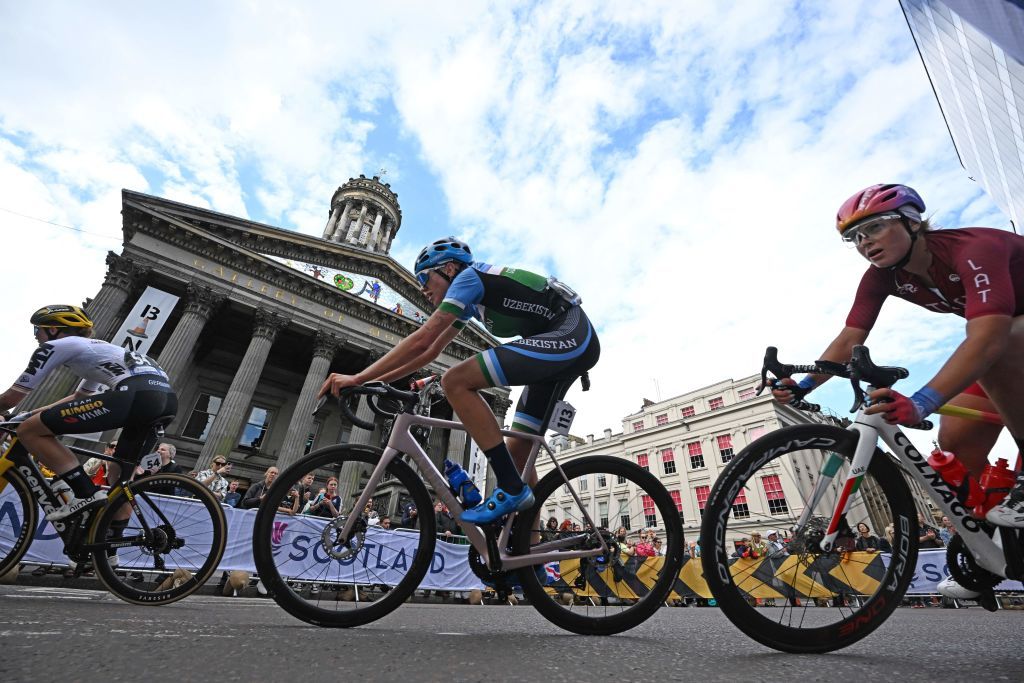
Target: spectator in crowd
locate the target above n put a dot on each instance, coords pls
(695, 549)
(232, 497)
(446, 526)
(885, 543)
(565, 529)
(97, 468)
(659, 551)
(254, 496)
(550, 530)
(866, 541)
(757, 548)
(385, 523)
(167, 466)
(577, 528)
(214, 479)
(622, 537)
(946, 531)
(741, 547)
(645, 545)
(329, 503)
(290, 503)
(410, 516)
(928, 536)
(775, 548)
(370, 515)
(305, 489)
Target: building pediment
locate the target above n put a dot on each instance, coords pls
(278, 254)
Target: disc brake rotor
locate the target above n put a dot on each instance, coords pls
(341, 548)
(965, 569)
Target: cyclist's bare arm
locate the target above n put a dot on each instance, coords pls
(424, 358)
(12, 397)
(406, 352)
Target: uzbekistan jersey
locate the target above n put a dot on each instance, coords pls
(508, 301)
(97, 362)
(976, 271)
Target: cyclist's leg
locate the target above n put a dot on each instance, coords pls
(92, 414)
(567, 351)
(1004, 383)
(970, 440)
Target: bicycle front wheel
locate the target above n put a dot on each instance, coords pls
(170, 551)
(799, 598)
(18, 521)
(322, 578)
(615, 591)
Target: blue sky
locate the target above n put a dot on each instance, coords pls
(678, 163)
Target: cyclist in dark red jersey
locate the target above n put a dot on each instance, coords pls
(976, 273)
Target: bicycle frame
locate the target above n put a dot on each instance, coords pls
(402, 441)
(71, 530)
(870, 428)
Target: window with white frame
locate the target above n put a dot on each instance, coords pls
(693, 449)
(668, 461)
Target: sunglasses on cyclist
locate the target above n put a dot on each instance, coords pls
(424, 275)
(870, 228)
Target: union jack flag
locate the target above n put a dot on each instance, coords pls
(552, 570)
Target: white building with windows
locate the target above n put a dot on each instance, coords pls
(686, 441)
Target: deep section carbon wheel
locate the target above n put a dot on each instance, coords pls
(800, 598)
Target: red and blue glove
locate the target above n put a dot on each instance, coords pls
(904, 410)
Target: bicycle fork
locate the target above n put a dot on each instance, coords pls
(865, 450)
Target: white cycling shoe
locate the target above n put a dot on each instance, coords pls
(951, 589)
(76, 505)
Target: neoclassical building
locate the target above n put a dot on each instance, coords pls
(264, 314)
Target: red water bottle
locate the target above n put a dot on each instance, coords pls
(996, 482)
(956, 475)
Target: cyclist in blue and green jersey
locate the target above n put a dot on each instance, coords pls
(556, 342)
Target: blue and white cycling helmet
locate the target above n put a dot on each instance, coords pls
(438, 253)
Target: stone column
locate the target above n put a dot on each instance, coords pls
(341, 231)
(375, 233)
(302, 417)
(224, 433)
(350, 479)
(457, 448)
(200, 303)
(501, 406)
(332, 223)
(106, 311)
(357, 230)
(385, 238)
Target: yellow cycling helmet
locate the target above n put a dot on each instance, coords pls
(60, 316)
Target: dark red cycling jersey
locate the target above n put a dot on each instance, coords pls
(976, 271)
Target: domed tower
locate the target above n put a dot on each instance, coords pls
(364, 214)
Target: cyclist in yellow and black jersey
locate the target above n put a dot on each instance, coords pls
(120, 388)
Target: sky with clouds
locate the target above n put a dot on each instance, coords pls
(678, 163)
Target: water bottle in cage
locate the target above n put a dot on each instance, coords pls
(461, 485)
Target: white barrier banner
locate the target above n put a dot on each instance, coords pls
(932, 568)
(297, 545)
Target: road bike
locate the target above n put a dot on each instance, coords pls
(340, 571)
(168, 548)
(832, 479)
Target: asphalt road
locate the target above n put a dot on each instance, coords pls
(79, 635)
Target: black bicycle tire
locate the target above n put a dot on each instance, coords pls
(715, 559)
(674, 545)
(31, 511)
(278, 588)
(129, 593)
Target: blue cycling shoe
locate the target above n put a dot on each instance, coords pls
(497, 505)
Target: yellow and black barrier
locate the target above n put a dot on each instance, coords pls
(765, 578)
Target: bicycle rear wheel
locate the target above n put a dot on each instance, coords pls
(326, 580)
(187, 533)
(824, 600)
(605, 594)
(19, 516)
